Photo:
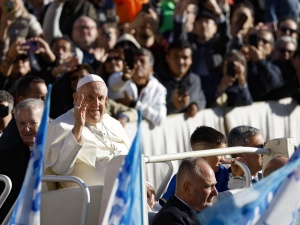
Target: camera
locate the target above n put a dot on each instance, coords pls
(32, 46)
(4, 111)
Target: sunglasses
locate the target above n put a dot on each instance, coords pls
(285, 29)
(283, 51)
(116, 58)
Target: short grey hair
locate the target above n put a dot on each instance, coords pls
(239, 136)
(7, 97)
(29, 103)
(147, 53)
(189, 168)
(285, 39)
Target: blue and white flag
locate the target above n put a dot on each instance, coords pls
(125, 205)
(27, 209)
(272, 201)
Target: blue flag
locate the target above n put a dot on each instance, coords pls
(273, 200)
(27, 209)
(125, 205)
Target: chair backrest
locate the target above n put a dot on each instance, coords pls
(65, 206)
(110, 176)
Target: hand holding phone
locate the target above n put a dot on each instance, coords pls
(253, 40)
(240, 23)
(230, 69)
(129, 57)
(31, 46)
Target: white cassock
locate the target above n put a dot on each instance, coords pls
(87, 160)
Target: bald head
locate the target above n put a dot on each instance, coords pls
(195, 183)
(275, 164)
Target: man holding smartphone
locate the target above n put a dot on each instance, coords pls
(263, 75)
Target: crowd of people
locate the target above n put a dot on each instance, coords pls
(107, 59)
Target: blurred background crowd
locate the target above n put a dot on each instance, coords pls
(160, 56)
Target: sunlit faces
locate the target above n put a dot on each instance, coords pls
(62, 50)
(179, 61)
(287, 27)
(114, 63)
(287, 51)
(235, 20)
(84, 32)
(203, 189)
(28, 121)
(142, 66)
(37, 90)
(95, 95)
(254, 161)
(214, 161)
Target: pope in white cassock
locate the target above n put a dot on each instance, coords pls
(82, 141)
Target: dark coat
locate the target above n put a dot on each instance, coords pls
(13, 163)
(175, 212)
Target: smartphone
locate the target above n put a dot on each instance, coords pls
(181, 89)
(240, 23)
(32, 46)
(4, 110)
(8, 6)
(230, 69)
(146, 8)
(129, 57)
(253, 40)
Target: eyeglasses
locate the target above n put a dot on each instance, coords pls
(283, 51)
(285, 29)
(30, 124)
(116, 58)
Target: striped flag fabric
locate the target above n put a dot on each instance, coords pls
(27, 209)
(125, 205)
(273, 200)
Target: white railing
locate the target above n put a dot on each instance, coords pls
(7, 188)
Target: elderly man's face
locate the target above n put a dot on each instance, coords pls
(28, 122)
(203, 189)
(95, 96)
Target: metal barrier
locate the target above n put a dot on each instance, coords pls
(204, 153)
(7, 188)
(81, 184)
(245, 169)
